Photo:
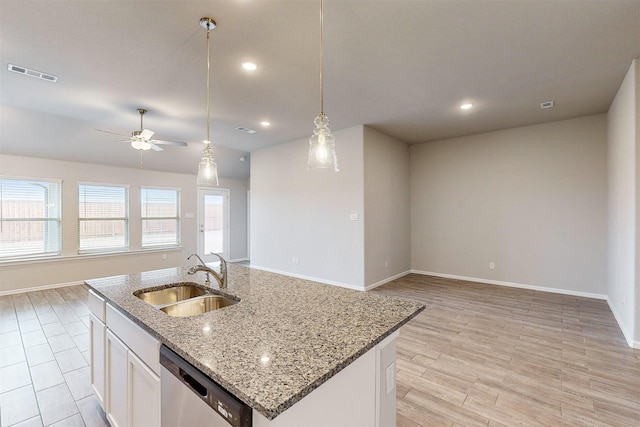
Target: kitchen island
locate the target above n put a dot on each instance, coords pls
(282, 343)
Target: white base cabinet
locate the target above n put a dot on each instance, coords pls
(144, 393)
(125, 367)
(97, 337)
(117, 380)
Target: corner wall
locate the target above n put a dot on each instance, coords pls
(72, 268)
(531, 200)
(305, 215)
(623, 204)
(387, 222)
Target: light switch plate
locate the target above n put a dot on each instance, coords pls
(353, 217)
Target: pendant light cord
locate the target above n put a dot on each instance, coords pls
(208, 90)
(321, 59)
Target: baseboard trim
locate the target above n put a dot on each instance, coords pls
(303, 277)
(238, 260)
(39, 288)
(387, 280)
(627, 335)
(514, 285)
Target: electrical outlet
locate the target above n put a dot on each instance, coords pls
(386, 264)
(295, 260)
(492, 265)
(390, 375)
(164, 256)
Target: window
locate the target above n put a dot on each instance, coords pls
(30, 218)
(160, 217)
(103, 218)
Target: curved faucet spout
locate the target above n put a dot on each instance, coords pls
(221, 277)
(197, 256)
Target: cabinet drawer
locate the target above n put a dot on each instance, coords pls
(146, 347)
(96, 305)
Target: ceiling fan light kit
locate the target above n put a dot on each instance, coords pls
(141, 139)
(207, 168)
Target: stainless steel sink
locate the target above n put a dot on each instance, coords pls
(197, 306)
(180, 292)
(184, 299)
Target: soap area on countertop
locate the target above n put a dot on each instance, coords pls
(280, 339)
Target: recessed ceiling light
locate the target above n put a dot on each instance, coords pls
(265, 123)
(249, 66)
(466, 106)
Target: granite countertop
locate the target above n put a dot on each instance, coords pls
(283, 339)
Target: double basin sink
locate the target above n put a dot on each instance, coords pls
(184, 299)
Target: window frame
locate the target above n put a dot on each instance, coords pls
(177, 218)
(56, 219)
(126, 219)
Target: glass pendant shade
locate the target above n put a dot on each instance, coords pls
(207, 170)
(322, 146)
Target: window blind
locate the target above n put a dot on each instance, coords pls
(160, 214)
(30, 218)
(103, 218)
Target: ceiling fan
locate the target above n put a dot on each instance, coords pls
(141, 139)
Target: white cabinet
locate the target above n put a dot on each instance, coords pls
(144, 394)
(117, 403)
(98, 331)
(125, 367)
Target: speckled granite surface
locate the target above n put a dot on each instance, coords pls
(281, 341)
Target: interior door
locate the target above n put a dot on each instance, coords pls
(213, 223)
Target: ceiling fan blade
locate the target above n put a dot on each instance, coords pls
(154, 147)
(113, 133)
(174, 143)
(146, 134)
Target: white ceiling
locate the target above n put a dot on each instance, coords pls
(400, 66)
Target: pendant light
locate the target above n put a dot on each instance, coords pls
(207, 169)
(322, 144)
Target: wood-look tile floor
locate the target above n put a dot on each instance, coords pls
(484, 355)
(479, 355)
(44, 360)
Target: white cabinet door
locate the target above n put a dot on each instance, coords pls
(117, 382)
(144, 394)
(97, 330)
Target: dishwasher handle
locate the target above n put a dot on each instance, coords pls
(233, 410)
(193, 383)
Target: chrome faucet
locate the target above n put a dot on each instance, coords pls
(221, 277)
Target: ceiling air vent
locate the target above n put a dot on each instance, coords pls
(547, 104)
(243, 129)
(32, 73)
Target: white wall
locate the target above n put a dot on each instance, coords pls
(624, 158)
(635, 66)
(305, 214)
(73, 268)
(387, 235)
(530, 199)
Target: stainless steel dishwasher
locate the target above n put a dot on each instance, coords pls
(191, 399)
